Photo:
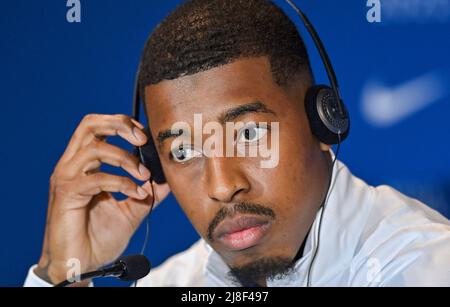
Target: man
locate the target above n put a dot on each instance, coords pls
(306, 221)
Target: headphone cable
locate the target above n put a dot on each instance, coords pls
(329, 190)
(147, 225)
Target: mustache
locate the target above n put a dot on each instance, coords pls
(239, 208)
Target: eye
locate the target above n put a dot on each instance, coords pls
(183, 154)
(251, 134)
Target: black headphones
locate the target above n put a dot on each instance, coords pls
(326, 111)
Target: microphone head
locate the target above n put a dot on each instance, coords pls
(134, 267)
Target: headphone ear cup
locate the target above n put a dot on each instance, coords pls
(150, 158)
(326, 123)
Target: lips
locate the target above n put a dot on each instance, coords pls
(242, 232)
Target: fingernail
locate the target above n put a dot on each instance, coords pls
(142, 192)
(138, 124)
(143, 170)
(139, 134)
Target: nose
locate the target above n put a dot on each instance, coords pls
(225, 180)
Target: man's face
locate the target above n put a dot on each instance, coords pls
(245, 212)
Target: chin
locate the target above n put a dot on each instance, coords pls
(258, 269)
(235, 259)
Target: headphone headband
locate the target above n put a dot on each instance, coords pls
(323, 55)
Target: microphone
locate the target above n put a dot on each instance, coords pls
(127, 268)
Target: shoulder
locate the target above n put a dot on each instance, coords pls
(181, 270)
(404, 242)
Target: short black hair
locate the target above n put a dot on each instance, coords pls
(203, 34)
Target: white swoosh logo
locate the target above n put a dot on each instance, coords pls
(384, 106)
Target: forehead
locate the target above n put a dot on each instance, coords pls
(211, 92)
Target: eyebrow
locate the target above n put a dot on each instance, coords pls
(227, 116)
(254, 107)
(167, 134)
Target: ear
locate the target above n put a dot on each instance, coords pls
(324, 147)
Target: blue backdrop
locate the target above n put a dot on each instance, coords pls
(394, 76)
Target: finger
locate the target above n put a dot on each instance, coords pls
(101, 126)
(161, 191)
(138, 124)
(138, 209)
(101, 182)
(90, 158)
(141, 208)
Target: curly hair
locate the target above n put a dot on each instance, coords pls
(203, 34)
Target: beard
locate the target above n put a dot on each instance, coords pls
(253, 273)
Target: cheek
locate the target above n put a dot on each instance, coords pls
(193, 205)
(290, 185)
(296, 159)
